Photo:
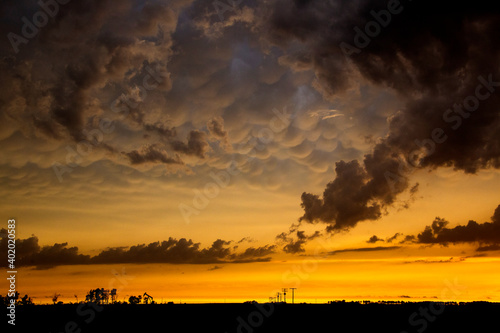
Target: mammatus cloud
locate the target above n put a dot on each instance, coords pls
(161, 82)
(151, 154)
(89, 47)
(196, 144)
(139, 64)
(96, 72)
(450, 115)
(216, 128)
(181, 251)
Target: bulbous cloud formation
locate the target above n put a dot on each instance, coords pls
(93, 72)
(89, 46)
(174, 79)
(162, 83)
(440, 59)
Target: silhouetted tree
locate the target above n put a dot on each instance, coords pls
(105, 295)
(113, 295)
(90, 297)
(134, 299)
(98, 295)
(26, 300)
(55, 297)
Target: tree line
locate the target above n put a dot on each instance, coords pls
(98, 296)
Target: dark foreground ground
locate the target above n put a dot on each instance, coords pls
(249, 318)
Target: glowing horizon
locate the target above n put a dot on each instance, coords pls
(347, 149)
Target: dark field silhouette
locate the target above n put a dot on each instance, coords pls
(255, 317)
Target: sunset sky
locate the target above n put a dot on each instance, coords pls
(220, 151)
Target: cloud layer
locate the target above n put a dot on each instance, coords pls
(133, 90)
(173, 251)
(163, 84)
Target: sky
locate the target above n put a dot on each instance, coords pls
(219, 151)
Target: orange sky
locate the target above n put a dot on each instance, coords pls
(324, 279)
(165, 149)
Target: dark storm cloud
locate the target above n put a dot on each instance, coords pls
(91, 61)
(87, 45)
(486, 234)
(441, 60)
(151, 154)
(181, 251)
(472, 232)
(358, 193)
(159, 69)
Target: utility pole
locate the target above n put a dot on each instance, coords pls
(285, 290)
(293, 294)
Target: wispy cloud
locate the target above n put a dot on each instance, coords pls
(325, 114)
(366, 249)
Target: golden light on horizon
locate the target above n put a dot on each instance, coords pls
(217, 157)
